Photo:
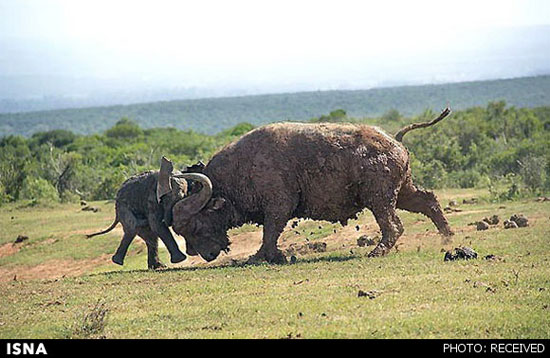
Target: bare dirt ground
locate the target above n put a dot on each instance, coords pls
(9, 249)
(51, 269)
(246, 242)
(243, 245)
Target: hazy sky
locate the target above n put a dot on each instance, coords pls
(203, 42)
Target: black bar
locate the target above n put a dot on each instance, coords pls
(358, 347)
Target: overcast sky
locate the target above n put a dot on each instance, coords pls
(204, 42)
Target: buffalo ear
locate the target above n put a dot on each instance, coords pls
(163, 183)
(217, 203)
(195, 168)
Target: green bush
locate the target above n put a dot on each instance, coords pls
(109, 186)
(38, 189)
(465, 178)
(533, 172)
(124, 129)
(4, 197)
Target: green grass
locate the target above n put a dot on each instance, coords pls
(419, 295)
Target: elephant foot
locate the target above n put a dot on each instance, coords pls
(118, 260)
(157, 266)
(276, 257)
(178, 257)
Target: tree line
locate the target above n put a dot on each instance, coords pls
(504, 148)
(212, 115)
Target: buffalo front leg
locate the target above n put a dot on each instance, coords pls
(167, 238)
(391, 228)
(273, 227)
(151, 240)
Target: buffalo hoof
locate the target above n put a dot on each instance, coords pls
(118, 260)
(254, 260)
(448, 232)
(379, 250)
(157, 266)
(179, 257)
(277, 258)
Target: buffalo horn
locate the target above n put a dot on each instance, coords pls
(195, 203)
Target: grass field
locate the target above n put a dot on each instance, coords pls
(58, 284)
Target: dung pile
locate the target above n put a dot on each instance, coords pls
(486, 223)
(482, 225)
(365, 240)
(91, 208)
(510, 224)
(516, 220)
(460, 253)
(493, 220)
(20, 239)
(519, 219)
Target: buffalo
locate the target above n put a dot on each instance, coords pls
(322, 171)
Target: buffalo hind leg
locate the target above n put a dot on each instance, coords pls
(151, 240)
(425, 202)
(391, 228)
(273, 227)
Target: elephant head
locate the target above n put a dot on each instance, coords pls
(197, 217)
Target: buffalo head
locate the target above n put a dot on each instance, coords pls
(199, 218)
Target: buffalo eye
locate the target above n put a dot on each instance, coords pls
(217, 203)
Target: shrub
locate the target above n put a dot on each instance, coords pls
(38, 190)
(533, 173)
(109, 186)
(124, 129)
(465, 178)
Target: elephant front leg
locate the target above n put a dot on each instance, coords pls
(151, 240)
(168, 239)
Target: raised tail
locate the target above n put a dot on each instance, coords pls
(410, 127)
(104, 231)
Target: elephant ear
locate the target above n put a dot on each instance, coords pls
(163, 183)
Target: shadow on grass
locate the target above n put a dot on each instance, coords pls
(328, 259)
(232, 264)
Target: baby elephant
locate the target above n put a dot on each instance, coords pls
(144, 210)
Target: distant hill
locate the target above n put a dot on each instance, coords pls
(215, 114)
